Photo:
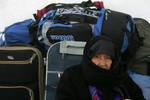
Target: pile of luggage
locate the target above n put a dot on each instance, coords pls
(34, 53)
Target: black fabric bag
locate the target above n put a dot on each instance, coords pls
(141, 61)
(76, 32)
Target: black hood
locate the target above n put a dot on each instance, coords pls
(102, 46)
(96, 75)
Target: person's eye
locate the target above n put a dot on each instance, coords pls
(107, 57)
(96, 56)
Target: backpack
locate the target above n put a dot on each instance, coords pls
(117, 26)
(140, 62)
(18, 33)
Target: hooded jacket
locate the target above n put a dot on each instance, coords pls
(75, 80)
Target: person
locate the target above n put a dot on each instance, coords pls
(99, 76)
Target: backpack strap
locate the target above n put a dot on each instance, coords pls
(98, 25)
(94, 94)
(125, 40)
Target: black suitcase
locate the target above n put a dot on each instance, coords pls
(21, 73)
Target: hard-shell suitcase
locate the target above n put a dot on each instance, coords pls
(60, 56)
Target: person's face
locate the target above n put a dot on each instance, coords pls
(102, 61)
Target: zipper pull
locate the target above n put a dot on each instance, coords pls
(106, 14)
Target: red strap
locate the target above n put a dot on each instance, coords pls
(41, 12)
(99, 4)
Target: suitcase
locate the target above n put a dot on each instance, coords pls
(21, 73)
(60, 56)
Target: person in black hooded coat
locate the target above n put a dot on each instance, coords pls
(88, 81)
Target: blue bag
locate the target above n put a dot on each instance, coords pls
(18, 33)
(2, 38)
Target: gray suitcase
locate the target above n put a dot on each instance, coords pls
(60, 56)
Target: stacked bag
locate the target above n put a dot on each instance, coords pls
(141, 60)
(73, 22)
(18, 33)
(67, 22)
(140, 63)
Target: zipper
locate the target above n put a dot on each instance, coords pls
(28, 61)
(107, 14)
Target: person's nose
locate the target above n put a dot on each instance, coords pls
(102, 61)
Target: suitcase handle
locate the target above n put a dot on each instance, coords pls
(72, 47)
